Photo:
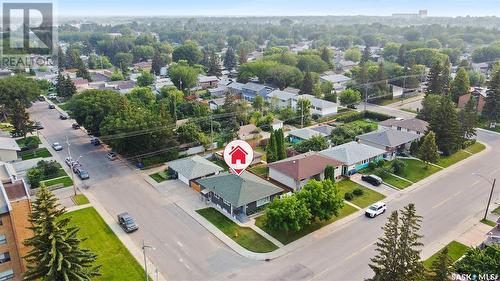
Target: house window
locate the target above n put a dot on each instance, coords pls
(4, 257)
(3, 240)
(6, 275)
(263, 201)
(216, 196)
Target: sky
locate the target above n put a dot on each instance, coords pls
(275, 7)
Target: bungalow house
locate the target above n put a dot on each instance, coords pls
(296, 136)
(318, 106)
(8, 149)
(250, 90)
(481, 67)
(281, 99)
(219, 91)
(392, 141)
(411, 125)
(296, 171)
(216, 103)
(192, 168)
(478, 94)
(163, 82)
(338, 81)
(276, 124)
(292, 90)
(345, 65)
(206, 82)
(324, 129)
(247, 132)
(238, 195)
(354, 156)
(81, 84)
(122, 87)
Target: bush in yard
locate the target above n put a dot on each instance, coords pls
(348, 196)
(382, 171)
(480, 261)
(322, 198)
(358, 192)
(372, 166)
(35, 175)
(398, 167)
(468, 143)
(49, 168)
(287, 214)
(381, 163)
(31, 143)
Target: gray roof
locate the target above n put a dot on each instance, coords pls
(282, 95)
(389, 137)
(352, 152)
(236, 86)
(254, 86)
(194, 167)
(413, 124)
(305, 133)
(319, 103)
(325, 129)
(205, 79)
(9, 144)
(239, 190)
(218, 102)
(336, 78)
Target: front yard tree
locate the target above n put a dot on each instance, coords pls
(157, 63)
(82, 70)
(330, 173)
(349, 97)
(145, 79)
(441, 267)
(434, 85)
(428, 151)
(322, 198)
(287, 214)
(315, 143)
(411, 268)
(214, 65)
(491, 109)
(304, 111)
(446, 126)
(430, 105)
(460, 85)
(55, 252)
(21, 120)
(230, 59)
(258, 103)
(271, 152)
(386, 263)
(479, 261)
(468, 120)
(280, 144)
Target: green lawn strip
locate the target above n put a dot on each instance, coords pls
(80, 199)
(489, 222)
(446, 161)
(369, 196)
(286, 238)
(219, 163)
(260, 170)
(476, 147)
(66, 181)
(21, 142)
(117, 262)
(417, 170)
(496, 211)
(41, 152)
(396, 182)
(455, 251)
(385, 102)
(7, 127)
(262, 151)
(244, 236)
(160, 176)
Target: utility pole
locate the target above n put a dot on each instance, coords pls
(366, 95)
(211, 135)
(302, 113)
(489, 199)
(72, 164)
(144, 247)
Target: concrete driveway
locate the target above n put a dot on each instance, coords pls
(383, 188)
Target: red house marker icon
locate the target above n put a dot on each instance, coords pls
(238, 155)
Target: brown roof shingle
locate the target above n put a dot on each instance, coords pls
(305, 165)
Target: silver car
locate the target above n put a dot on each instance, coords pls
(57, 146)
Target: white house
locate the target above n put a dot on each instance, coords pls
(8, 149)
(318, 106)
(339, 81)
(281, 99)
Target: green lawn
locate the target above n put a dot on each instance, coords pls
(7, 127)
(160, 176)
(117, 262)
(396, 182)
(66, 180)
(455, 251)
(260, 170)
(384, 102)
(417, 170)
(496, 211)
(21, 142)
(41, 152)
(261, 150)
(286, 238)
(452, 159)
(245, 236)
(489, 222)
(219, 163)
(369, 196)
(80, 199)
(476, 147)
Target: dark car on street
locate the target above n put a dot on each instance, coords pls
(127, 222)
(51, 106)
(38, 125)
(374, 180)
(82, 173)
(75, 126)
(95, 141)
(63, 116)
(41, 98)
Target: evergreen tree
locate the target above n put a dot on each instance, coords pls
(157, 63)
(445, 78)
(82, 70)
(366, 55)
(280, 144)
(214, 65)
(434, 80)
(330, 173)
(468, 120)
(441, 267)
(491, 110)
(230, 59)
(60, 58)
(402, 55)
(21, 120)
(307, 84)
(55, 253)
(386, 263)
(271, 152)
(60, 82)
(381, 87)
(460, 85)
(68, 88)
(242, 56)
(326, 56)
(410, 268)
(446, 126)
(428, 151)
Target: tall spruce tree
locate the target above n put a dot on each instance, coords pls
(230, 59)
(271, 152)
(428, 151)
(491, 110)
(280, 144)
(460, 85)
(366, 55)
(409, 244)
(444, 123)
(21, 120)
(68, 88)
(445, 78)
(214, 65)
(156, 63)
(434, 81)
(381, 87)
(307, 84)
(326, 56)
(55, 253)
(82, 71)
(441, 267)
(386, 264)
(468, 119)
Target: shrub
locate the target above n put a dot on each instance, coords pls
(398, 167)
(468, 143)
(348, 196)
(372, 166)
(375, 115)
(350, 116)
(48, 168)
(358, 192)
(31, 143)
(382, 171)
(34, 175)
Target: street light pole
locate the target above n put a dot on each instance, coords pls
(72, 164)
(144, 247)
(489, 199)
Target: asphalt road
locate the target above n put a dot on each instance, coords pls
(186, 251)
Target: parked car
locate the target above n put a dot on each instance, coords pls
(75, 126)
(63, 116)
(41, 98)
(76, 167)
(376, 209)
(51, 106)
(69, 161)
(95, 141)
(111, 156)
(38, 125)
(127, 222)
(82, 174)
(373, 179)
(52, 96)
(57, 146)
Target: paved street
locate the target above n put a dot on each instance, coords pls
(186, 251)
(385, 109)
